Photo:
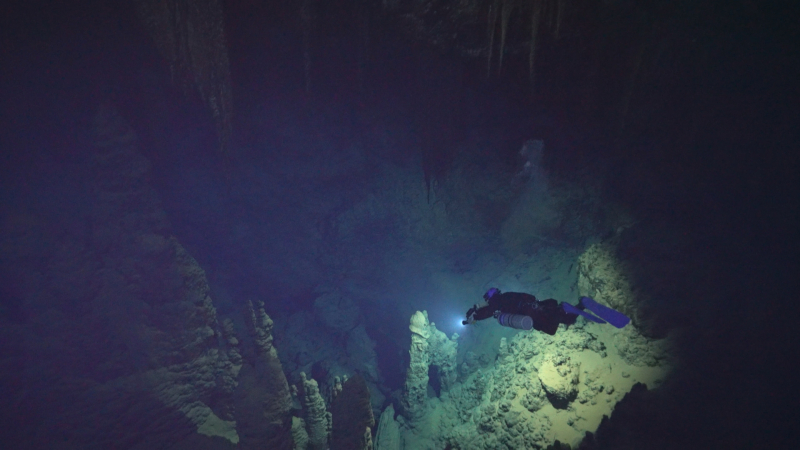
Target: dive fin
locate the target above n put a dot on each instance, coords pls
(612, 316)
(573, 310)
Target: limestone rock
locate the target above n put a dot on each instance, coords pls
(351, 412)
(534, 397)
(560, 380)
(388, 435)
(338, 312)
(361, 353)
(639, 350)
(443, 353)
(317, 418)
(416, 386)
(234, 352)
(429, 346)
(146, 359)
(299, 434)
(261, 328)
(419, 324)
(263, 396)
(368, 439)
(604, 278)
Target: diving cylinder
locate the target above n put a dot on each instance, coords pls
(518, 321)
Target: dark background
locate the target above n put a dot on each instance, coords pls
(706, 142)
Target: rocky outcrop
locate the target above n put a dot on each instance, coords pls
(643, 420)
(361, 353)
(388, 435)
(429, 346)
(263, 398)
(352, 417)
(537, 212)
(559, 378)
(329, 351)
(416, 387)
(317, 419)
(639, 350)
(338, 312)
(116, 319)
(538, 388)
(605, 278)
(299, 434)
(619, 273)
(154, 293)
(443, 352)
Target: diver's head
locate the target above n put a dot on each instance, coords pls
(491, 293)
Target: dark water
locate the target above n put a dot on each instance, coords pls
(685, 114)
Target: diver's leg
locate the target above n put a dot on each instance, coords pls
(569, 309)
(612, 316)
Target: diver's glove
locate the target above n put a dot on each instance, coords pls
(470, 316)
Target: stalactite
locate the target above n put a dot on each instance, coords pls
(559, 16)
(502, 11)
(505, 16)
(492, 24)
(536, 15)
(191, 37)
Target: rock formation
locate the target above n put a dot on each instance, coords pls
(416, 387)
(429, 346)
(317, 419)
(353, 421)
(617, 272)
(388, 435)
(263, 398)
(604, 278)
(539, 389)
(153, 292)
(122, 333)
(559, 377)
(338, 312)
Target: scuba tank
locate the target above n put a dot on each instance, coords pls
(518, 321)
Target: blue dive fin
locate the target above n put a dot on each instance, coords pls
(612, 316)
(573, 310)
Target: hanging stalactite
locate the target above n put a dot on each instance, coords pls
(508, 7)
(190, 34)
(491, 26)
(536, 16)
(547, 12)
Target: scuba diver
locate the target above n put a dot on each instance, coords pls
(522, 311)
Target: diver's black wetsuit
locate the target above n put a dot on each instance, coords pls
(546, 314)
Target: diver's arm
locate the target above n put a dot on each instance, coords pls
(484, 312)
(476, 313)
